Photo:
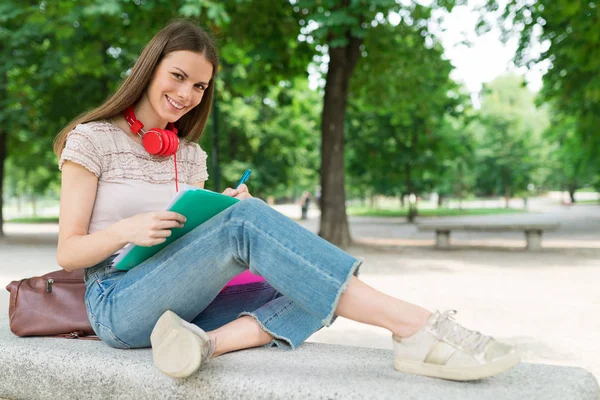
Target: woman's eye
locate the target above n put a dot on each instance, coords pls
(178, 76)
(201, 87)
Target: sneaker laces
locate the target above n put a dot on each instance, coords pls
(447, 328)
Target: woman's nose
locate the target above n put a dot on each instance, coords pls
(184, 92)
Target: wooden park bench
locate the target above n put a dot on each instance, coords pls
(533, 231)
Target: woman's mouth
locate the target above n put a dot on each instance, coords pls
(175, 104)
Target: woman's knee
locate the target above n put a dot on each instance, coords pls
(250, 207)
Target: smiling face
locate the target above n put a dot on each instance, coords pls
(178, 85)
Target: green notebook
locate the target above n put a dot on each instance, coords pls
(197, 205)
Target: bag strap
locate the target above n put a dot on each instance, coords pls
(13, 299)
(77, 335)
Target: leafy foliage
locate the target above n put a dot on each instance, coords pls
(510, 150)
(402, 102)
(569, 31)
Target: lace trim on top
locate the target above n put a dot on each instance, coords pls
(110, 154)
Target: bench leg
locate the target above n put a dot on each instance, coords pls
(534, 240)
(442, 239)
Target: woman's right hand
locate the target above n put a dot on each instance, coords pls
(151, 228)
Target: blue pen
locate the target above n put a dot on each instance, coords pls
(244, 178)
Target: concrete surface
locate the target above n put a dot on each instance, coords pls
(47, 368)
(546, 304)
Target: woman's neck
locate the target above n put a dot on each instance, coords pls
(145, 113)
(120, 122)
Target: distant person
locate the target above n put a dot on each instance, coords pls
(304, 204)
(318, 197)
(123, 161)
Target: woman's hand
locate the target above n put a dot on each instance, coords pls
(151, 228)
(240, 193)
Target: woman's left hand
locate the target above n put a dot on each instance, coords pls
(240, 193)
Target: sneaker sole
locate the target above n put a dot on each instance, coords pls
(175, 350)
(458, 373)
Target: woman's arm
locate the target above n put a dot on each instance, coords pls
(76, 248)
(199, 184)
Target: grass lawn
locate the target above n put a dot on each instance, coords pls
(39, 220)
(591, 201)
(431, 212)
(363, 212)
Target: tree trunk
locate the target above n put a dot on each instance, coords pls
(412, 208)
(34, 205)
(3, 145)
(507, 187)
(460, 185)
(334, 221)
(3, 154)
(572, 190)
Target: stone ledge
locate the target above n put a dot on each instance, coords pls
(49, 368)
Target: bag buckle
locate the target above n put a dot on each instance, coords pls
(49, 283)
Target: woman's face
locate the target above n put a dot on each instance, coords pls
(178, 84)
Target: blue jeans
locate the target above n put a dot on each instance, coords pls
(305, 277)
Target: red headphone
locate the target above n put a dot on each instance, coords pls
(162, 142)
(156, 141)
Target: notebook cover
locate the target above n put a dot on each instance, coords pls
(197, 205)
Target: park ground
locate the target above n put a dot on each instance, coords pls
(546, 304)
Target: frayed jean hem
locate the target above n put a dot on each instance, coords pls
(278, 341)
(330, 318)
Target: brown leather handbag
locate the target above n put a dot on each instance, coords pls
(50, 305)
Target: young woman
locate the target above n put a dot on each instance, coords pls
(122, 162)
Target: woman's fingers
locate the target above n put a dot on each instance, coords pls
(243, 195)
(242, 192)
(165, 233)
(169, 216)
(230, 192)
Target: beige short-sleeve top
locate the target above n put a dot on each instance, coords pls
(130, 180)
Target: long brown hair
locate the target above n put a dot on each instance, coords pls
(177, 35)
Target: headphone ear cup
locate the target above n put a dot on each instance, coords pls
(161, 142)
(166, 143)
(174, 142)
(153, 142)
(170, 143)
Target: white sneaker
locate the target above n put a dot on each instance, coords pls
(178, 347)
(444, 349)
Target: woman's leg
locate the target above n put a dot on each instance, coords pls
(312, 273)
(254, 315)
(360, 302)
(241, 317)
(239, 334)
(187, 276)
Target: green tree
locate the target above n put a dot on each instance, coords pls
(509, 146)
(59, 59)
(400, 96)
(569, 158)
(340, 28)
(569, 31)
(276, 135)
